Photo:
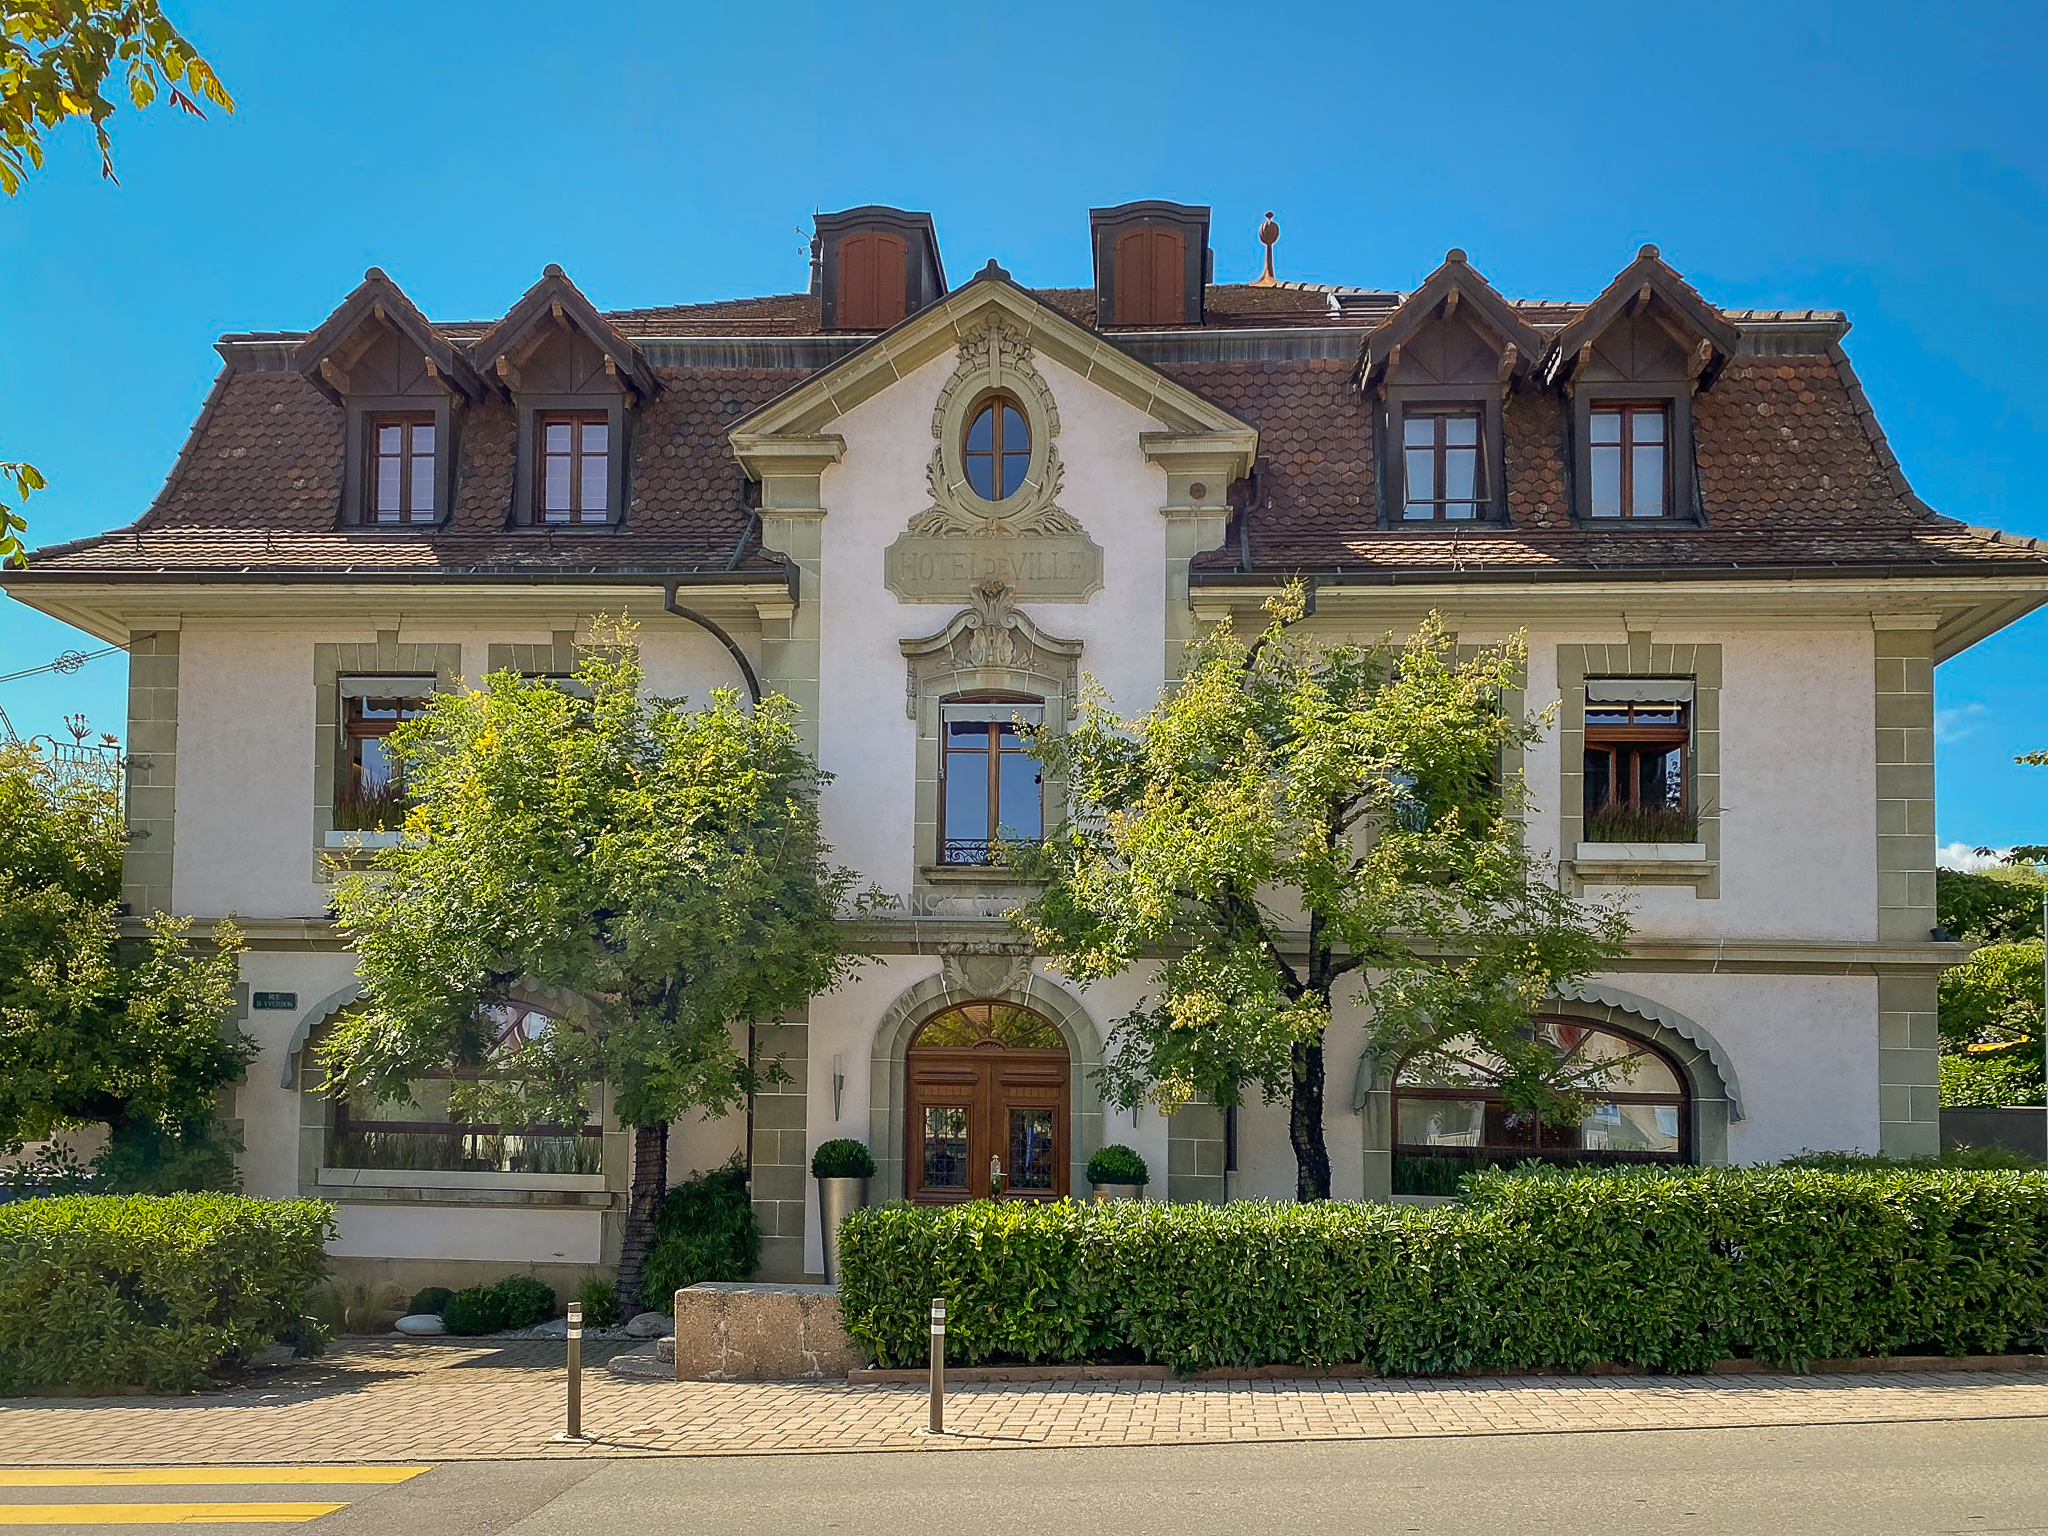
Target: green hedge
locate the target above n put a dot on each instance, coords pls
(1643, 1267)
(157, 1291)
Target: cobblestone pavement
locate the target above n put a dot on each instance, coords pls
(379, 1400)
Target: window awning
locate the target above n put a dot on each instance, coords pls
(1639, 690)
(415, 687)
(999, 713)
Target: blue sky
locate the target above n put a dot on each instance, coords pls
(1879, 158)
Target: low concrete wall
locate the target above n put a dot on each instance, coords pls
(730, 1331)
(2023, 1130)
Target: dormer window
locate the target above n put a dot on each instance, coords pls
(574, 479)
(1444, 460)
(872, 267)
(998, 449)
(401, 469)
(1631, 457)
(1151, 263)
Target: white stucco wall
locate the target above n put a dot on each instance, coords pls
(1798, 791)
(468, 1232)
(865, 738)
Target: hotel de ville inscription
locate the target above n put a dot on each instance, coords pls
(963, 541)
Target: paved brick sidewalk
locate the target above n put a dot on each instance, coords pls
(390, 1401)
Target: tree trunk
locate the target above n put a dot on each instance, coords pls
(650, 1186)
(1305, 1125)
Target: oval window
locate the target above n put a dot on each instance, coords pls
(998, 449)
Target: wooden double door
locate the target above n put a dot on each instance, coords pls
(987, 1118)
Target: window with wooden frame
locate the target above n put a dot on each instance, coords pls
(572, 483)
(1443, 451)
(1631, 459)
(991, 790)
(1636, 767)
(371, 796)
(400, 473)
(1451, 1114)
(428, 1131)
(997, 450)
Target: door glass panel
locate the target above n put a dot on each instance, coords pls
(1031, 1149)
(945, 1146)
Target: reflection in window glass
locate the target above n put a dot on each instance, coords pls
(1630, 460)
(945, 1146)
(1031, 1149)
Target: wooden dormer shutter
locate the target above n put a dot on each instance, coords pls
(870, 281)
(1149, 267)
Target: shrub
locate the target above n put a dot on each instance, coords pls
(1117, 1164)
(1989, 1082)
(475, 1309)
(600, 1300)
(704, 1231)
(431, 1301)
(843, 1159)
(163, 1292)
(524, 1301)
(1671, 1270)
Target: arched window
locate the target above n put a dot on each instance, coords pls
(998, 448)
(423, 1132)
(1450, 1115)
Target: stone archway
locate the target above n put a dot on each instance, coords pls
(971, 979)
(1714, 1095)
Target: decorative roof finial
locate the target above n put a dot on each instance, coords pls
(1269, 236)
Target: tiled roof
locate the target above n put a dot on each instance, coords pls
(1793, 470)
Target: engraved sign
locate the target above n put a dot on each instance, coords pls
(276, 1000)
(1046, 569)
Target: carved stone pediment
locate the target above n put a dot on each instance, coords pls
(1026, 541)
(993, 643)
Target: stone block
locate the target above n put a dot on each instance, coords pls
(751, 1332)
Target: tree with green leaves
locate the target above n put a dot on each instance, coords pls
(58, 60)
(664, 866)
(93, 1030)
(1296, 820)
(1991, 1004)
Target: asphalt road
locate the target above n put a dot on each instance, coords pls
(1977, 1476)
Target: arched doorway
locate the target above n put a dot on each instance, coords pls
(988, 1088)
(1450, 1115)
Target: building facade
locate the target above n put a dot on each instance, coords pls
(928, 512)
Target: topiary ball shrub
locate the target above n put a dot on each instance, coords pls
(843, 1159)
(705, 1230)
(524, 1301)
(600, 1300)
(478, 1309)
(1117, 1164)
(431, 1301)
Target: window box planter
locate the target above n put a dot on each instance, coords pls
(1623, 860)
(445, 1178)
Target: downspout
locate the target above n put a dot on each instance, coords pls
(668, 601)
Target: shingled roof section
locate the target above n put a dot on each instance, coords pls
(1794, 471)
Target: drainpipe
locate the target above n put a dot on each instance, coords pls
(668, 601)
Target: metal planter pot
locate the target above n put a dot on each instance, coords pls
(837, 1199)
(1119, 1192)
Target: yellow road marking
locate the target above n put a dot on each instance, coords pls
(196, 1477)
(163, 1514)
